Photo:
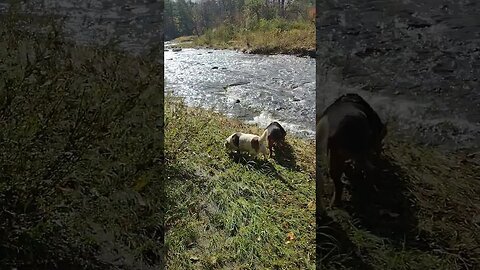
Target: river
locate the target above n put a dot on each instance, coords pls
(257, 89)
(417, 64)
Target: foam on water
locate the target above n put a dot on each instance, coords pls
(265, 118)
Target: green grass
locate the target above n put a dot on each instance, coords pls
(267, 37)
(436, 197)
(80, 153)
(228, 212)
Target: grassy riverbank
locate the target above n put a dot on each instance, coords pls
(269, 37)
(238, 213)
(80, 153)
(227, 212)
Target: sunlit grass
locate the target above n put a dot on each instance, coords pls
(225, 214)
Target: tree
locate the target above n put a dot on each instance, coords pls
(184, 17)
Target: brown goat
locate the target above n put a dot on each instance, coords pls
(348, 129)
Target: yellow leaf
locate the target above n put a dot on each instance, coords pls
(290, 236)
(311, 205)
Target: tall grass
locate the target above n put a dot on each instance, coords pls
(80, 152)
(265, 36)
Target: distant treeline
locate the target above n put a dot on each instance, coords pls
(184, 18)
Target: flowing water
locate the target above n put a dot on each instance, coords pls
(254, 88)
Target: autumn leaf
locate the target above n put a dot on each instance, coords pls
(311, 205)
(290, 236)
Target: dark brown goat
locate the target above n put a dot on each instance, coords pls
(348, 129)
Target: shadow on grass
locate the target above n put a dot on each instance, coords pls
(387, 208)
(261, 165)
(334, 247)
(285, 156)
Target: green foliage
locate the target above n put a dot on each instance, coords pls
(222, 35)
(279, 24)
(253, 11)
(188, 18)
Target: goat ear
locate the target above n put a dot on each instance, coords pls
(236, 139)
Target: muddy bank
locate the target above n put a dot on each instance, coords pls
(418, 63)
(301, 52)
(186, 42)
